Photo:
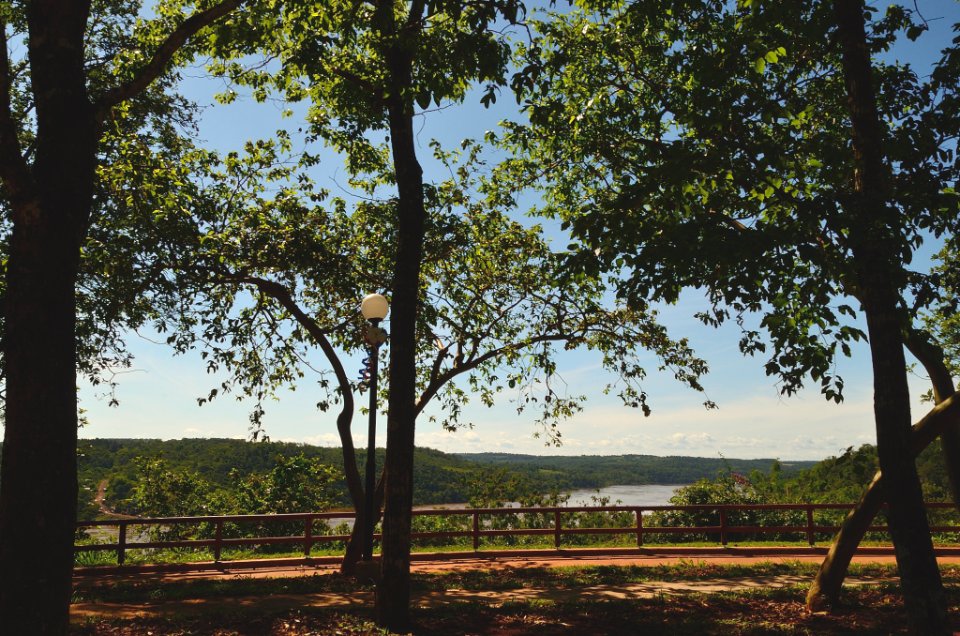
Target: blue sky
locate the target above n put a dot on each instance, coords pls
(158, 397)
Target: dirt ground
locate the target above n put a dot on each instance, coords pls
(283, 602)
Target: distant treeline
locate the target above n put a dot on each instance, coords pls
(458, 478)
(598, 471)
(440, 477)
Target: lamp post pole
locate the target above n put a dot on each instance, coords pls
(374, 308)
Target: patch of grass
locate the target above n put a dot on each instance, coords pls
(136, 556)
(190, 555)
(92, 559)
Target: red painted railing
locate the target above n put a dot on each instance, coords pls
(481, 526)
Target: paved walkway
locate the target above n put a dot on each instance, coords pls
(284, 602)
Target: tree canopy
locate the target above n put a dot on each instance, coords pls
(767, 155)
(705, 146)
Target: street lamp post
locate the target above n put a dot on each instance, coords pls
(374, 308)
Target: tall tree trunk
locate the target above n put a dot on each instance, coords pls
(39, 481)
(874, 248)
(50, 206)
(825, 589)
(39, 474)
(393, 589)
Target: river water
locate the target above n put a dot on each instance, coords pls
(646, 495)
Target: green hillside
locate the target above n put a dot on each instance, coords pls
(439, 477)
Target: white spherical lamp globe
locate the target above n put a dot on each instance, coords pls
(374, 307)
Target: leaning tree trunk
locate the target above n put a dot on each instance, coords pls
(932, 358)
(874, 247)
(944, 422)
(825, 590)
(50, 210)
(393, 589)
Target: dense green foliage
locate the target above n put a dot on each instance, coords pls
(844, 477)
(705, 145)
(197, 477)
(226, 464)
(840, 479)
(293, 484)
(210, 465)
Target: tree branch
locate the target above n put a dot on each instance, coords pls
(415, 16)
(13, 168)
(282, 295)
(436, 384)
(161, 58)
(442, 354)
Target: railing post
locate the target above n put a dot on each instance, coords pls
(122, 543)
(476, 531)
(810, 538)
(217, 539)
(639, 528)
(556, 529)
(723, 527)
(308, 536)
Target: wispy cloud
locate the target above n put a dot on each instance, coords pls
(752, 427)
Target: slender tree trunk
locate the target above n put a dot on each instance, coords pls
(825, 589)
(393, 590)
(874, 248)
(943, 421)
(931, 357)
(39, 481)
(352, 554)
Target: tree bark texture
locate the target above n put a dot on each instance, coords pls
(39, 477)
(825, 590)
(50, 204)
(393, 589)
(874, 247)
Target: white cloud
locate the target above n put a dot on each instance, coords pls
(756, 426)
(323, 439)
(683, 440)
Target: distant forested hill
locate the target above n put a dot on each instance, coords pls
(597, 471)
(439, 477)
